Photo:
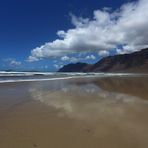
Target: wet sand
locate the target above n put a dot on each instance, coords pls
(77, 113)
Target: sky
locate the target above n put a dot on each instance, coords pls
(44, 35)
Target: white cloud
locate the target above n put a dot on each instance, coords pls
(127, 49)
(126, 26)
(32, 59)
(103, 53)
(65, 58)
(77, 59)
(58, 66)
(13, 62)
(71, 59)
(90, 57)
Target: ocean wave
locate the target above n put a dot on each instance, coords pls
(9, 77)
(34, 80)
(3, 73)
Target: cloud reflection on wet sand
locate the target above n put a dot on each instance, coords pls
(93, 112)
(103, 110)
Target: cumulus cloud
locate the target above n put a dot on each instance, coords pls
(77, 59)
(71, 59)
(33, 58)
(57, 66)
(12, 62)
(15, 63)
(90, 57)
(103, 53)
(125, 26)
(65, 58)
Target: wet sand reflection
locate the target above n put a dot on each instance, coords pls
(95, 112)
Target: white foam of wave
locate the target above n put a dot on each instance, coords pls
(34, 80)
(59, 76)
(47, 79)
(3, 73)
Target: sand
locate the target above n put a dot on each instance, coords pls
(77, 113)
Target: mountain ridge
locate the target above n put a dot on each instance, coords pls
(133, 62)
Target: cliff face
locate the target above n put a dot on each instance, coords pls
(134, 62)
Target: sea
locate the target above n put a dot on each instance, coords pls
(9, 77)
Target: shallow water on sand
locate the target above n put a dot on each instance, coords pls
(109, 112)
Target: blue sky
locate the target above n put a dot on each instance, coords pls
(27, 25)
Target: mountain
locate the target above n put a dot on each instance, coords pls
(78, 67)
(134, 62)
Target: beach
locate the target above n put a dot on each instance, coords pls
(89, 112)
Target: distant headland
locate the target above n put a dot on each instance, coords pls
(133, 62)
